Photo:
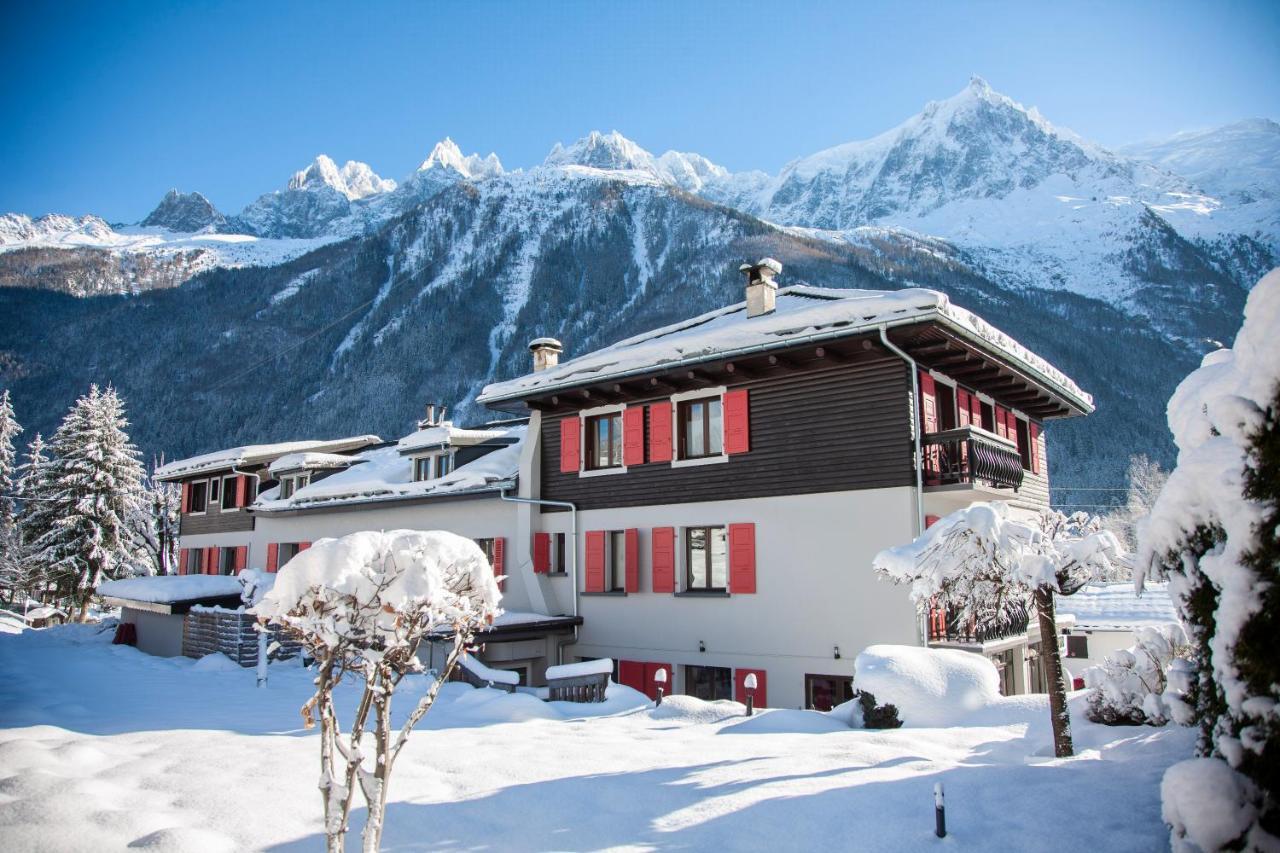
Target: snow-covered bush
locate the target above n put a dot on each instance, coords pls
(989, 569)
(1213, 532)
(928, 687)
(1132, 687)
(362, 606)
(875, 715)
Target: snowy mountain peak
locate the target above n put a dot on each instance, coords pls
(603, 151)
(354, 180)
(1240, 161)
(184, 212)
(447, 155)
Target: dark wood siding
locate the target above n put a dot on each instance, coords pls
(822, 430)
(214, 519)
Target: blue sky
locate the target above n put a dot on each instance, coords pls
(108, 105)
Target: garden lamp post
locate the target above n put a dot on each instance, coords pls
(749, 684)
(660, 679)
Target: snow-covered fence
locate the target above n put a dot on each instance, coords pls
(477, 674)
(207, 630)
(585, 681)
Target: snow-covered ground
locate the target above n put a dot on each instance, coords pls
(103, 748)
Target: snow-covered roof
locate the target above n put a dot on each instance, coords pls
(385, 475)
(258, 454)
(311, 461)
(803, 313)
(1117, 605)
(172, 589)
(447, 435)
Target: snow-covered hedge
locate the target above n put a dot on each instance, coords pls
(930, 687)
(1132, 686)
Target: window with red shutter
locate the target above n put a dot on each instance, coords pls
(570, 445)
(633, 559)
(737, 422)
(242, 557)
(759, 696)
(963, 408)
(242, 490)
(932, 453)
(631, 674)
(663, 556)
(541, 553)
(633, 435)
(1034, 429)
(594, 579)
(742, 558)
(186, 497)
(500, 560)
(1002, 422)
(660, 432)
(183, 565)
(211, 561)
(273, 557)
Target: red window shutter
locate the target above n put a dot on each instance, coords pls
(975, 410)
(651, 685)
(541, 553)
(928, 403)
(594, 580)
(302, 546)
(663, 555)
(760, 696)
(186, 497)
(242, 490)
(633, 559)
(183, 554)
(742, 558)
(273, 557)
(631, 674)
(500, 560)
(242, 557)
(633, 435)
(931, 520)
(1002, 422)
(1033, 430)
(211, 561)
(570, 445)
(660, 432)
(962, 407)
(737, 421)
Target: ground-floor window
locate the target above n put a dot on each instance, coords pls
(288, 550)
(1077, 646)
(617, 557)
(708, 682)
(824, 692)
(558, 562)
(227, 561)
(1006, 663)
(195, 562)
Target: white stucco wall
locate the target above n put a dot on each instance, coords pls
(159, 634)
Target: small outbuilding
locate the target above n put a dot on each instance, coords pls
(157, 607)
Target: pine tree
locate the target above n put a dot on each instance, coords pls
(154, 525)
(9, 540)
(34, 519)
(96, 482)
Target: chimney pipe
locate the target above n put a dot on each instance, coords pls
(762, 290)
(546, 353)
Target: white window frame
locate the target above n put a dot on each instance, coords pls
(617, 408)
(208, 493)
(228, 478)
(684, 397)
(204, 511)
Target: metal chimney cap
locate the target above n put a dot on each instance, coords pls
(545, 343)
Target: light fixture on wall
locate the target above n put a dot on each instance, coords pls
(837, 653)
(702, 646)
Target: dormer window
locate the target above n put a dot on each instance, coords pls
(289, 485)
(432, 467)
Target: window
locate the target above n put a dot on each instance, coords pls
(286, 552)
(286, 488)
(229, 493)
(988, 417)
(444, 463)
(706, 559)
(946, 406)
(604, 441)
(708, 682)
(422, 468)
(1024, 444)
(701, 428)
(486, 545)
(558, 563)
(199, 497)
(214, 490)
(824, 692)
(195, 562)
(616, 581)
(227, 561)
(1077, 646)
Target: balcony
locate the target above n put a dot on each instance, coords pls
(972, 457)
(947, 627)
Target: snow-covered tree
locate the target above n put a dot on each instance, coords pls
(991, 570)
(1213, 533)
(363, 606)
(35, 516)
(94, 480)
(1135, 686)
(1146, 478)
(10, 542)
(154, 524)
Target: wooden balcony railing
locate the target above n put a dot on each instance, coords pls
(947, 627)
(970, 455)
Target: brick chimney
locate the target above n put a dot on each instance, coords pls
(762, 290)
(546, 353)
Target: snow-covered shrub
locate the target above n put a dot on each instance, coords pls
(928, 687)
(876, 716)
(1213, 532)
(362, 606)
(1131, 688)
(989, 569)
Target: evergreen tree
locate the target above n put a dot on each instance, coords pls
(35, 518)
(96, 482)
(9, 540)
(154, 525)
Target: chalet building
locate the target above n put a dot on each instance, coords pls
(703, 499)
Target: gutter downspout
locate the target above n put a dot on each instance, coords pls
(573, 571)
(915, 439)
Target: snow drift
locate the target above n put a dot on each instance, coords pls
(931, 687)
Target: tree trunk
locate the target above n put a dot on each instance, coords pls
(1060, 717)
(377, 797)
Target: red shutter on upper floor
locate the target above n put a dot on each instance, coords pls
(633, 435)
(975, 410)
(651, 684)
(737, 421)
(962, 407)
(663, 556)
(570, 444)
(242, 490)
(182, 560)
(632, 536)
(742, 558)
(594, 580)
(928, 403)
(1033, 430)
(631, 674)
(242, 557)
(541, 553)
(759, 696)
(273, 557)
(186, 497)
(500, 560)
(1002, 422)
(660, 432)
